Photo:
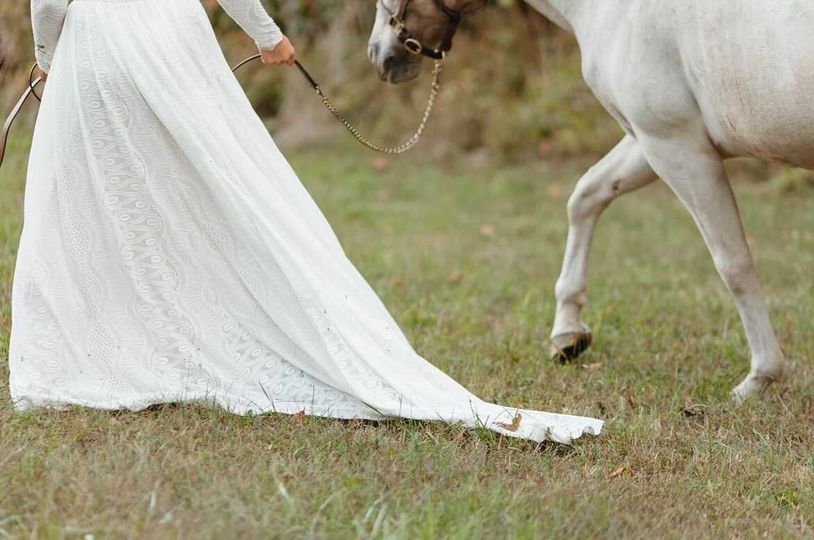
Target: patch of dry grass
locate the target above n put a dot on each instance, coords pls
(466, 259)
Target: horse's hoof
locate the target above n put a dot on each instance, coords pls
(752, 385)
(568, 347)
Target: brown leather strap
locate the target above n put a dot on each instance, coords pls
(15, 112)
(401, 12)
(314, 84)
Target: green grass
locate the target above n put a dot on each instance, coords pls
(467, 259)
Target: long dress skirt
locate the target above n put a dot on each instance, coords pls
(170, 253)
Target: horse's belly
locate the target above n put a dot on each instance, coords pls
(778, 128)
(753, 80)
(752, 114)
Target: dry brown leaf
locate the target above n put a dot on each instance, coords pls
(488, 229)
(621, 471)
(514, 426)
(455, 277)
(691, 410)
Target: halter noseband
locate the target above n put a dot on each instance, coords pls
(399, 23)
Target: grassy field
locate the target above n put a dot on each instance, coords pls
(467, 259)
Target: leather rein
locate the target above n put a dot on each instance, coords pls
(15, 112)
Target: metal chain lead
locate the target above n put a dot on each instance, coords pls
(391, 150)
(404, 147)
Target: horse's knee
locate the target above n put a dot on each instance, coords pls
(589, 199)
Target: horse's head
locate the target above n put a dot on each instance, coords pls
(408, 30)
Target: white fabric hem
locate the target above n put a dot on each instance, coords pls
(572, 428)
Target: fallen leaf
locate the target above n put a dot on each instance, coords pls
(455, 277)
(488, 229)
(514, 426)
(691, 410)
(297, 417)
(594, 366)
(621, 471)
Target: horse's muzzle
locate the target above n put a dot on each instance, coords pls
(394, 66)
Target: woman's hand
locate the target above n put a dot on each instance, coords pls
(282, 54)
(43, 75)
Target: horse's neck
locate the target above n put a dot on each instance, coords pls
(564, 13)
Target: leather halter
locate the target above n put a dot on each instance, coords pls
(398, 21)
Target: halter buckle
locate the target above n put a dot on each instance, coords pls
(397, 25)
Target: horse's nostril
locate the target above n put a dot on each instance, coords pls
(388, 63)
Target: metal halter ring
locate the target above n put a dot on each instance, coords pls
(413, 46)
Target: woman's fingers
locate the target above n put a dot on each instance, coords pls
(282, 54)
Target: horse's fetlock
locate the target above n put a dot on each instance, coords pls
(567, 293)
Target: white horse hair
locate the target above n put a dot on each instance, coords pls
(691, 82)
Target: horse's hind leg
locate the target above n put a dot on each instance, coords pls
(694, 171)
(623, 170)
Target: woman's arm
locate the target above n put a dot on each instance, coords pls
(47, 17)
(255, 21)
(252, 17)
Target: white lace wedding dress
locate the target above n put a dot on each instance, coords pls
(169, 252)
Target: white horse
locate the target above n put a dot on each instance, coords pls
(691, 82)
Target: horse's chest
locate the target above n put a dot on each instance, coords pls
(599, 77)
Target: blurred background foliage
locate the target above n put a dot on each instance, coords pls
(512, 89)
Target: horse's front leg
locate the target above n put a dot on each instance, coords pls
(623, 170)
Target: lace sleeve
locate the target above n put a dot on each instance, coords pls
(255, 21)
(47, 17)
